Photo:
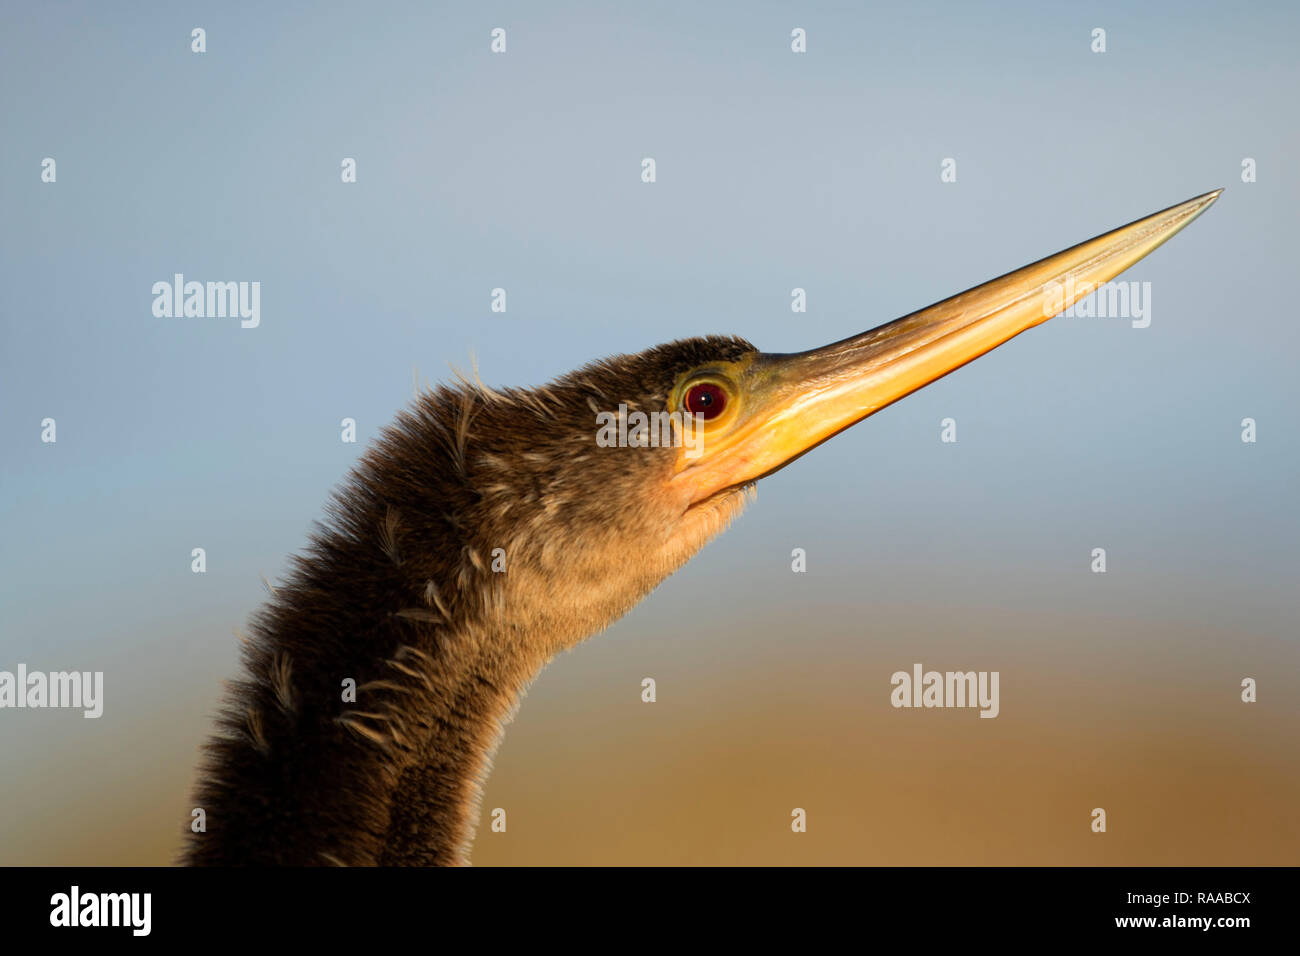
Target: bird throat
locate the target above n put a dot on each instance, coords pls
(434, 805)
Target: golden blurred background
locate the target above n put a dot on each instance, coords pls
(1144, 721)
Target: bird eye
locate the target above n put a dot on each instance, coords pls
(705, 399)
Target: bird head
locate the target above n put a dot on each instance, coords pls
(604, 482)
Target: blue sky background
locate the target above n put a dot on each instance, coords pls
(523, 171)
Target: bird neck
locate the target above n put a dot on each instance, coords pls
(363, 732)
(446, 747)
(379, 679)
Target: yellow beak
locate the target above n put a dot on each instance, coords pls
(789, 404)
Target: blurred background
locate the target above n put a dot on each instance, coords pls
(775, 171)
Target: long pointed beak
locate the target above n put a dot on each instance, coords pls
(791, 403)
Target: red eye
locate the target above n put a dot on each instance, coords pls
(705, 399)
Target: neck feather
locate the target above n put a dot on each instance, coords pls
(361, 735)
(378, 678)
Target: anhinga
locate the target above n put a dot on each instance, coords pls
(487, 531)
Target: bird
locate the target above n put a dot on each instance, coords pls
(485, 531)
